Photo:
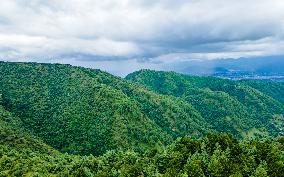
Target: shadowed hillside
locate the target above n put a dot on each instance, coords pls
(229, 106)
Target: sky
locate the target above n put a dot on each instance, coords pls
(127, 35)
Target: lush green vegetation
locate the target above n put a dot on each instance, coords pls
(83, 111)
(275, 89)
(229, 106)
(214, 155)
(60, 120)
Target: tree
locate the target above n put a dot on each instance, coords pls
(261, 170)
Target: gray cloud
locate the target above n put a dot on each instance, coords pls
(143, 31)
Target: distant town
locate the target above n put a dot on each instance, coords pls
(249, 76)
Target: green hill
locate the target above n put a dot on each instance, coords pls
(229, 106)
(13, 135)
(214, 155)
(153, 122)
(85, 111)
(274, 89)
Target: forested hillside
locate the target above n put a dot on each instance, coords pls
(214, 155)
(272, 88)
(149, 124)
(229, 106)
(85, 111)
(12, 134)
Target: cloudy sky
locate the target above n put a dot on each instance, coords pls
(121, 36)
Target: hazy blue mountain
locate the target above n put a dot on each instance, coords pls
(259, 66)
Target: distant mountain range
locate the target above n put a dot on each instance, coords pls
(242, 68)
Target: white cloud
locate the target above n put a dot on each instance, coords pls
(19, 46)
(204, 29)
(232, 50)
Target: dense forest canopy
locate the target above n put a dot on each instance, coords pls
(251, 108)
(214, 155)
(71, 121)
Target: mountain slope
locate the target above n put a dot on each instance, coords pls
(13, 135)
(229, 106)
(272, 88)
(85, 111)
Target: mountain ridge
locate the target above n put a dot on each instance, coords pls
(82, 111)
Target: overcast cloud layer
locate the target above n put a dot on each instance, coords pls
(126, 35)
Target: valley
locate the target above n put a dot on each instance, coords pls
(73, 121)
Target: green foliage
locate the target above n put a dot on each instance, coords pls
(83, 111)
(166, 129)
(185, 157)
(215, 155)
(244, 109)
(272, 88)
